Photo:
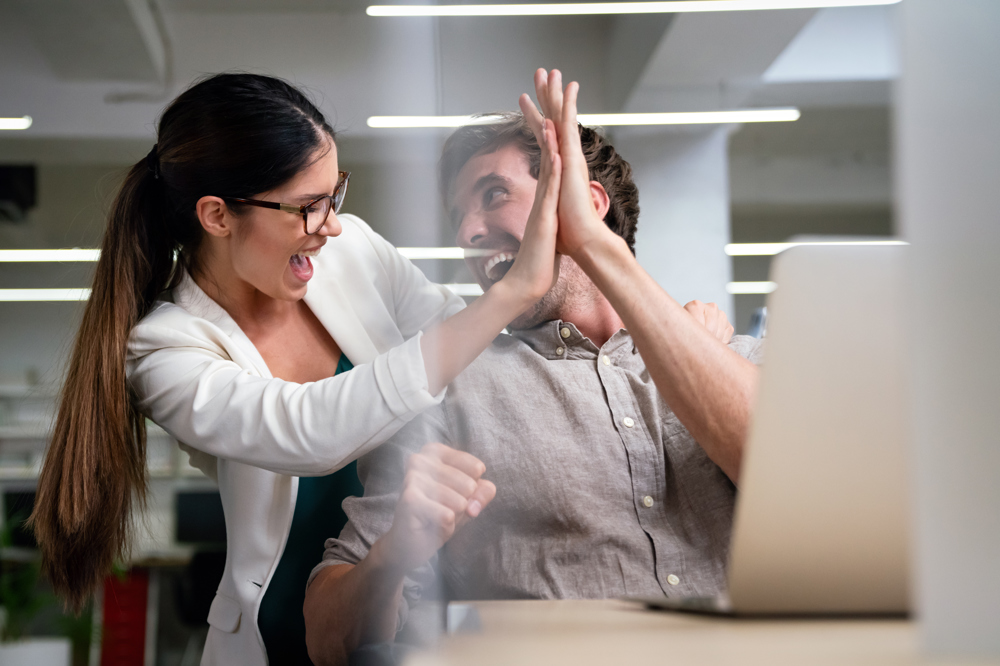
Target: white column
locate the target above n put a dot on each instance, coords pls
(949, 171)
(683, 181)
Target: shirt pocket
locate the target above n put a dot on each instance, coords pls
(225, 614)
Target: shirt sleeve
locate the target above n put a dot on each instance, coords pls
(369, 517)
(185, 382)
(750, 348)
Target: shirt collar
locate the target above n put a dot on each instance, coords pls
(558, 339)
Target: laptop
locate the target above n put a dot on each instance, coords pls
(822, 514)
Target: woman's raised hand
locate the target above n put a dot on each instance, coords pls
(536, 267)
(580, 221)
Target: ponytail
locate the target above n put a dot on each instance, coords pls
(95, 466)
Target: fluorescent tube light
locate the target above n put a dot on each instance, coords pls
(75, 254)
(39, 295)
(674, 7)
(751, 287)
(429, 121)
(606, 119)
(466, 289)
(432, 252)
(441, 252)
(22, 123)
(765, 249)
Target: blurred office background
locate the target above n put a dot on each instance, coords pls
(94, 76)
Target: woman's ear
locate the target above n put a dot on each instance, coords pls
(214, 216)
(602, 202)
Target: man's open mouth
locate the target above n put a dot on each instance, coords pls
(497, 266)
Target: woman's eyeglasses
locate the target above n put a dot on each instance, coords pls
(315, 212)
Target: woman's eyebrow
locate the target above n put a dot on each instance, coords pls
(306, 198)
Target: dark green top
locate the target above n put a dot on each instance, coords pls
(318, 516)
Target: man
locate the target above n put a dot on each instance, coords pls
(612, 454)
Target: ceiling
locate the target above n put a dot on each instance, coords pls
(105, 68)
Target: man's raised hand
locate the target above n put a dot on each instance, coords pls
(443, 489)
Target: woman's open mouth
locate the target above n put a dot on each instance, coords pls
(301, 265)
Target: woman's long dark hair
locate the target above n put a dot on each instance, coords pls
(233, 135)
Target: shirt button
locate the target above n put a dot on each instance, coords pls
(647, 501)
(565, 332)
(560, 351)
(673, 580)
(607, 361)
(628, 422)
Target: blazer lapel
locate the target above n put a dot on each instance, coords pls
(334, 309)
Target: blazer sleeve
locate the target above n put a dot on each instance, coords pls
(419, 303)
(184, 380)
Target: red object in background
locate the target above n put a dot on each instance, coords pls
(123, 635)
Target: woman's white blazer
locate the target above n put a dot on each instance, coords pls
(197, 375)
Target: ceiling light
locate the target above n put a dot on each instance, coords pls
(432, 252)
(38, 295)
(605, 119)
(76, 254)
(441, 252)
(22, 123)
(670, 7)
(751, 287)
(765, 249)
(466, 289)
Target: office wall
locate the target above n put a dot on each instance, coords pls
(683, 181)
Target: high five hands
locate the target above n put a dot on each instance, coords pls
(582, 203)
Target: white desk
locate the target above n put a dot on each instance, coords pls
(525, 633)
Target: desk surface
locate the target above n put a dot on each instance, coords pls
(581, 633)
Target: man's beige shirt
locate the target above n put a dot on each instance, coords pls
(601, 491)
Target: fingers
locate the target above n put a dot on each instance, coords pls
(434, 490)
(466, 462)
(571, 134)
(422, 512)
(553, 176)
(484, 494)
(542, 90)
(532, 116)
(555, 97)
(450, 477)
(697, 310)
(712, 318)
(446, 475)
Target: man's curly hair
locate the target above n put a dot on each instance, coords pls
(606, 166)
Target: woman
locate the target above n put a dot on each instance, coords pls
(238, 347)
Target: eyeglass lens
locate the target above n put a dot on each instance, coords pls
(317, 213)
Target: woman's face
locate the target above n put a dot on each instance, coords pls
(270, 250)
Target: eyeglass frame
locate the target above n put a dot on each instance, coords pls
(344, 177)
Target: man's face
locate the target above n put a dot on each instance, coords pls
(490, 203)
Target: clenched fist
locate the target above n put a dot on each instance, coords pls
(443, 489)
(711, 317)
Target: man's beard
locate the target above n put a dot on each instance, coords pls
(547, 308)
(573, 291)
